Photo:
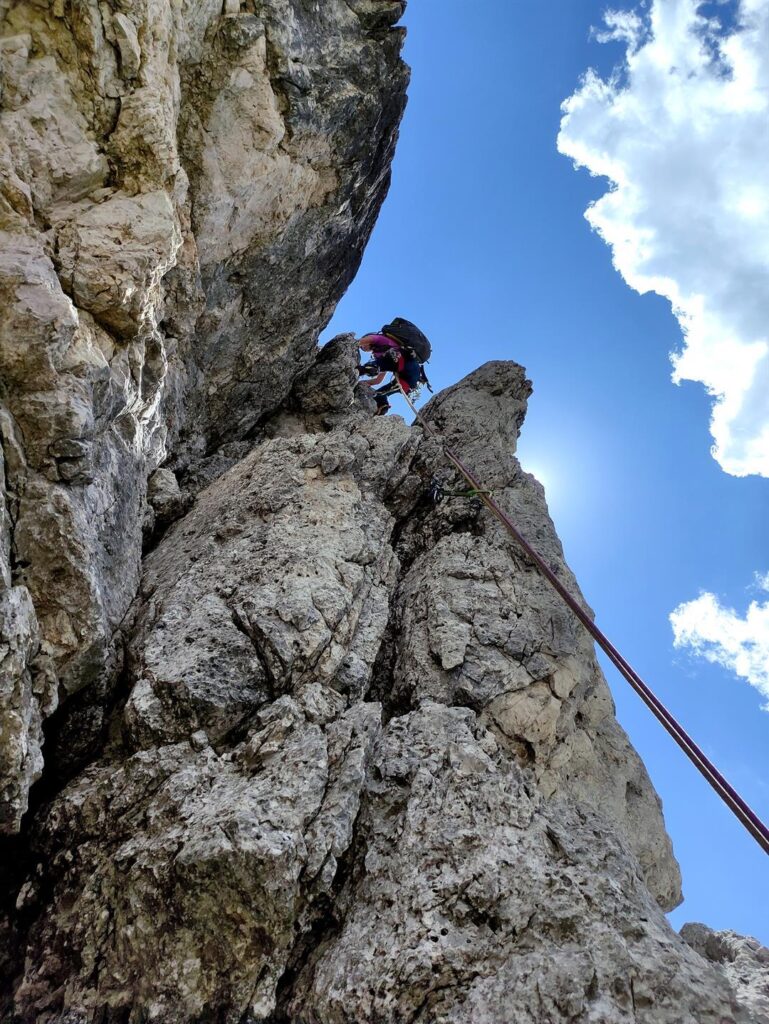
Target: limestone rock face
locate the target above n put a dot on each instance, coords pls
(288, 130)
(339, 784)
(474, 900)
(21, 708)
(278, 576)
(206, 898)
(478, 626)
(744, 961)
(319, 748)
(186, 188)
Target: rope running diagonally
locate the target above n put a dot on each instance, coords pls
(728, 794)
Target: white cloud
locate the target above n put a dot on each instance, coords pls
(682, 132)
(622, 26)
(738, 644)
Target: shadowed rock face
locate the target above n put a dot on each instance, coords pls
(364, 766)
(186, 189)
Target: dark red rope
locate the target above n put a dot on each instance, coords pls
(728, 794)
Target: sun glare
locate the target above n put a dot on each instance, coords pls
(545, 474)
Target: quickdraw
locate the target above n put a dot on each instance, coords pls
(437, 492)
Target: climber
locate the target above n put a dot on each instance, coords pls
(400, 349)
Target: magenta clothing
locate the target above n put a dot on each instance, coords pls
(380, 344)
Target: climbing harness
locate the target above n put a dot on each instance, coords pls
(746, 815)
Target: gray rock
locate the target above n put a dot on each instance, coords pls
(165, 497)
(474, 900)
(279, 575)
(743, 961)
(25, 698)
(478, 625)
(184, 196)
(446, 864)
(287, 133)
(113, 255)
(195, 870)
(128, 44)
(332, 752)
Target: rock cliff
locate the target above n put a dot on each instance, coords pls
(308, 746)
(744, 961)
(185, 193)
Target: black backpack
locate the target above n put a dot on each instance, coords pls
(410, 337)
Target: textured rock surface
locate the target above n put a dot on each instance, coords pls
(330, 752)
(479, 627)
(186, 188)
(339, 785)
(743, 960)
(474, 901)
(207, 868)
(22, 705)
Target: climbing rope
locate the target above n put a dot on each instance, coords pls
(728, 794)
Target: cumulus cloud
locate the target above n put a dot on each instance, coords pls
(681, 130)
(739, 644)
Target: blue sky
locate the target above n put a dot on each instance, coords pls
(483, 242)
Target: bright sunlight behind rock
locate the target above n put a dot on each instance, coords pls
(681, 131)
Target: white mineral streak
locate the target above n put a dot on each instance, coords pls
(331, 752)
